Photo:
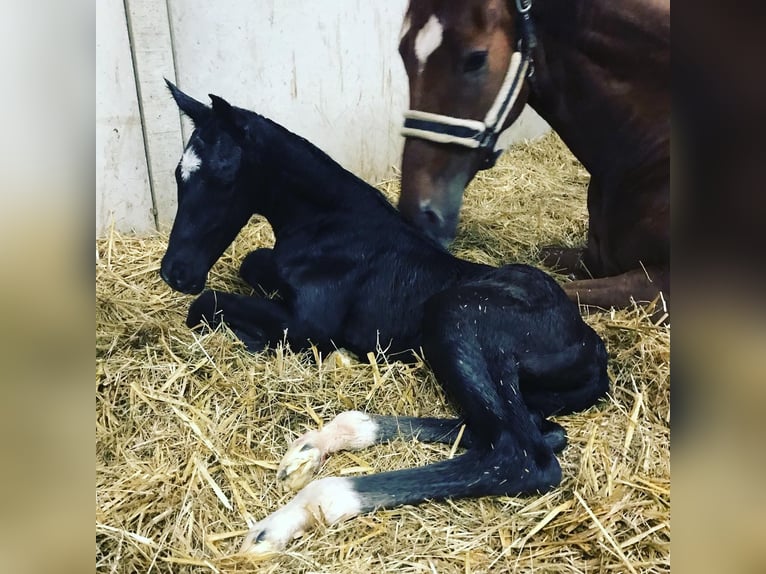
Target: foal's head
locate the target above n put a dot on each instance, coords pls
(459, 57)
(213, 203)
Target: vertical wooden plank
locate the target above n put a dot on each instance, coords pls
(122, 180)
(153, 58)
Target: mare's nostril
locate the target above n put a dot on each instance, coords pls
(431, 221)
(434, 223)
(432, 218)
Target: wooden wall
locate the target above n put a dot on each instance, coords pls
(328, 70)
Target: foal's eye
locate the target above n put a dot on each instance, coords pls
(475, 61)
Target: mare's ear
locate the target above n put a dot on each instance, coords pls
(231, 118)
(197, 111)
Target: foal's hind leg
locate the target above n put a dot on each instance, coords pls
(515, 461)
(354, 430)
(507, 453)
(492, 409)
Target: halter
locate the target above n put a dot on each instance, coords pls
(477, 134)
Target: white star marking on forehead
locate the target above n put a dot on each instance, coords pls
(428, 39)
(190, 163)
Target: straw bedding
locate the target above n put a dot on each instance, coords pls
(190, 428)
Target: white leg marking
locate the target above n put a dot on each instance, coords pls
(428, 39)
(328, 500)
(352, 430)
(190, 163)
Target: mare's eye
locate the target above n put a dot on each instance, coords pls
(475, 61)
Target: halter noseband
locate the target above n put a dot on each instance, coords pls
(477, 134)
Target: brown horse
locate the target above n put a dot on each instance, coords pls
(598, 71)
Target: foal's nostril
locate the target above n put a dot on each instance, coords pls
(175, 276)
(171, 274)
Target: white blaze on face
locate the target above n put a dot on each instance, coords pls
(428, 39)
(190, 163)
(405, 27)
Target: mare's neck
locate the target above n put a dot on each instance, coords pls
(603, 77)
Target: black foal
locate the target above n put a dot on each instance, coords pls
(506, 344)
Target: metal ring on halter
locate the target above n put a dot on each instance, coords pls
(523, 6)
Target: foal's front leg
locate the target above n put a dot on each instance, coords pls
(259, 270)
(259, 323)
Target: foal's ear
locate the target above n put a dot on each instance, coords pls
(230, 118)
(197, 111)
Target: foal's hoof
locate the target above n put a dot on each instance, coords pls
(324, 501)
(258, 549)
(253, 343)
(204, 310)
(265, 540)
(555, 438)
(300, 463)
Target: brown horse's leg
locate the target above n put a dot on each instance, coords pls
(639, 285)
(566, 260)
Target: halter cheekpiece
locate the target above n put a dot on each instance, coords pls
(477, 134)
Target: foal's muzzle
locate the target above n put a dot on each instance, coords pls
(180, 277)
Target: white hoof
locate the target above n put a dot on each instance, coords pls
(329, 500)
(268, 538)
(258, 547)
(300, 463)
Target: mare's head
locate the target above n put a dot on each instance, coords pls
(213, 199)
(467, 69)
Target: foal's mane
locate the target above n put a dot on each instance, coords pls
(296, 155)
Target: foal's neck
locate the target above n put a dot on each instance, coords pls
(604, 78)
(302, 180)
